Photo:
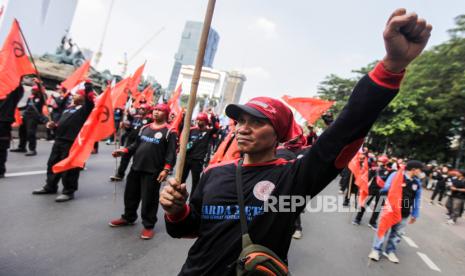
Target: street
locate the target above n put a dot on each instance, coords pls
(41, 237)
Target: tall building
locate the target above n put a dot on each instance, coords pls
(44, 22)
(234, 82)
(188, 47)
(225, 86)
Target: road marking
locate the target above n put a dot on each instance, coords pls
(24, 173)
(428, 261)
(409, 241)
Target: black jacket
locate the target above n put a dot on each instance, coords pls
(212, 214)
(72, 120)
(8, 105)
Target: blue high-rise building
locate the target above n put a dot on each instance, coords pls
(187, 52)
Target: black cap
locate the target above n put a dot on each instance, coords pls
(414, 164)
(234, 110)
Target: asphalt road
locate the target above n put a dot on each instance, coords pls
(41, 237)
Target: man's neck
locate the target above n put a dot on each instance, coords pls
(159, 123)
(409, 174)
(261, 157)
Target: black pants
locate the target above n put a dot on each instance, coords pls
(27, 133)
(126, 158)
(298, 223)
(438, 191)
(123, 165)
(5, 137)
(376, 209)
(141, 186)
(195, 166)
(69, 178)
(456, 208)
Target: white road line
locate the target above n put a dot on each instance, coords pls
(428, 261)
(409, 241)
(24, 173)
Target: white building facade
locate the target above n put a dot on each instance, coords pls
(44, 22)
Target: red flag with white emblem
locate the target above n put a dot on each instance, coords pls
(14, 61)
(99, 125)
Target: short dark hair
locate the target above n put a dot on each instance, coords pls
(414, 164)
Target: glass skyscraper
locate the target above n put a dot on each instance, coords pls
(187, 52)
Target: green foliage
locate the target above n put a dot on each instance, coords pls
(429, 111)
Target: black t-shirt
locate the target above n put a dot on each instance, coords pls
(154, 149)
(34, 104)
(460, 184)
(199, 140)
(8, 105)
(72, 120)
(214, 217)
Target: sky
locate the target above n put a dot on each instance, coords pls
(283, 47)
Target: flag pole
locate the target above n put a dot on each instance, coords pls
(116, 161)
(194, 86)
(28, 49)
(41, 84)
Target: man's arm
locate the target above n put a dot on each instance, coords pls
(416, 202)
(405, 37)
(185, 223)
(170, 158)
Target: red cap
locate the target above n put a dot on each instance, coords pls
(35, 88)
(144, 106)
(81, 92)
(163, 107)
(275, 111)
(202, 117)
(383, 159)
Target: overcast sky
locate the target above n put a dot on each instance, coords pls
(283, 47)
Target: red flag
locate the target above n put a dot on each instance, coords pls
(361, 176)
(119, 93)
(379, 182)
(228, 149)
(177, 121)
(310, 108)
(391, 213)
(146, 95)
(99, 125)
(173, 102)
(135, 80)
(18, 119)
(77, 76)
(14, 62)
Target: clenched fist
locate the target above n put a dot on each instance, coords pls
(173, 197)
(405, 37)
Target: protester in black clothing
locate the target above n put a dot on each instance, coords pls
(58, 104)
(457, 197)
(348, 185)
(311, 136)
(212, 213)
(66, 131)
(32, 116)
(135, 123)
(377, 177)
(292, 150)
(200, 137)
(442, 178)
(7, 117)
(154, 155)
(118, 116)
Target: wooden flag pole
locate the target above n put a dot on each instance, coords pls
(28, 50)
(194, 86)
